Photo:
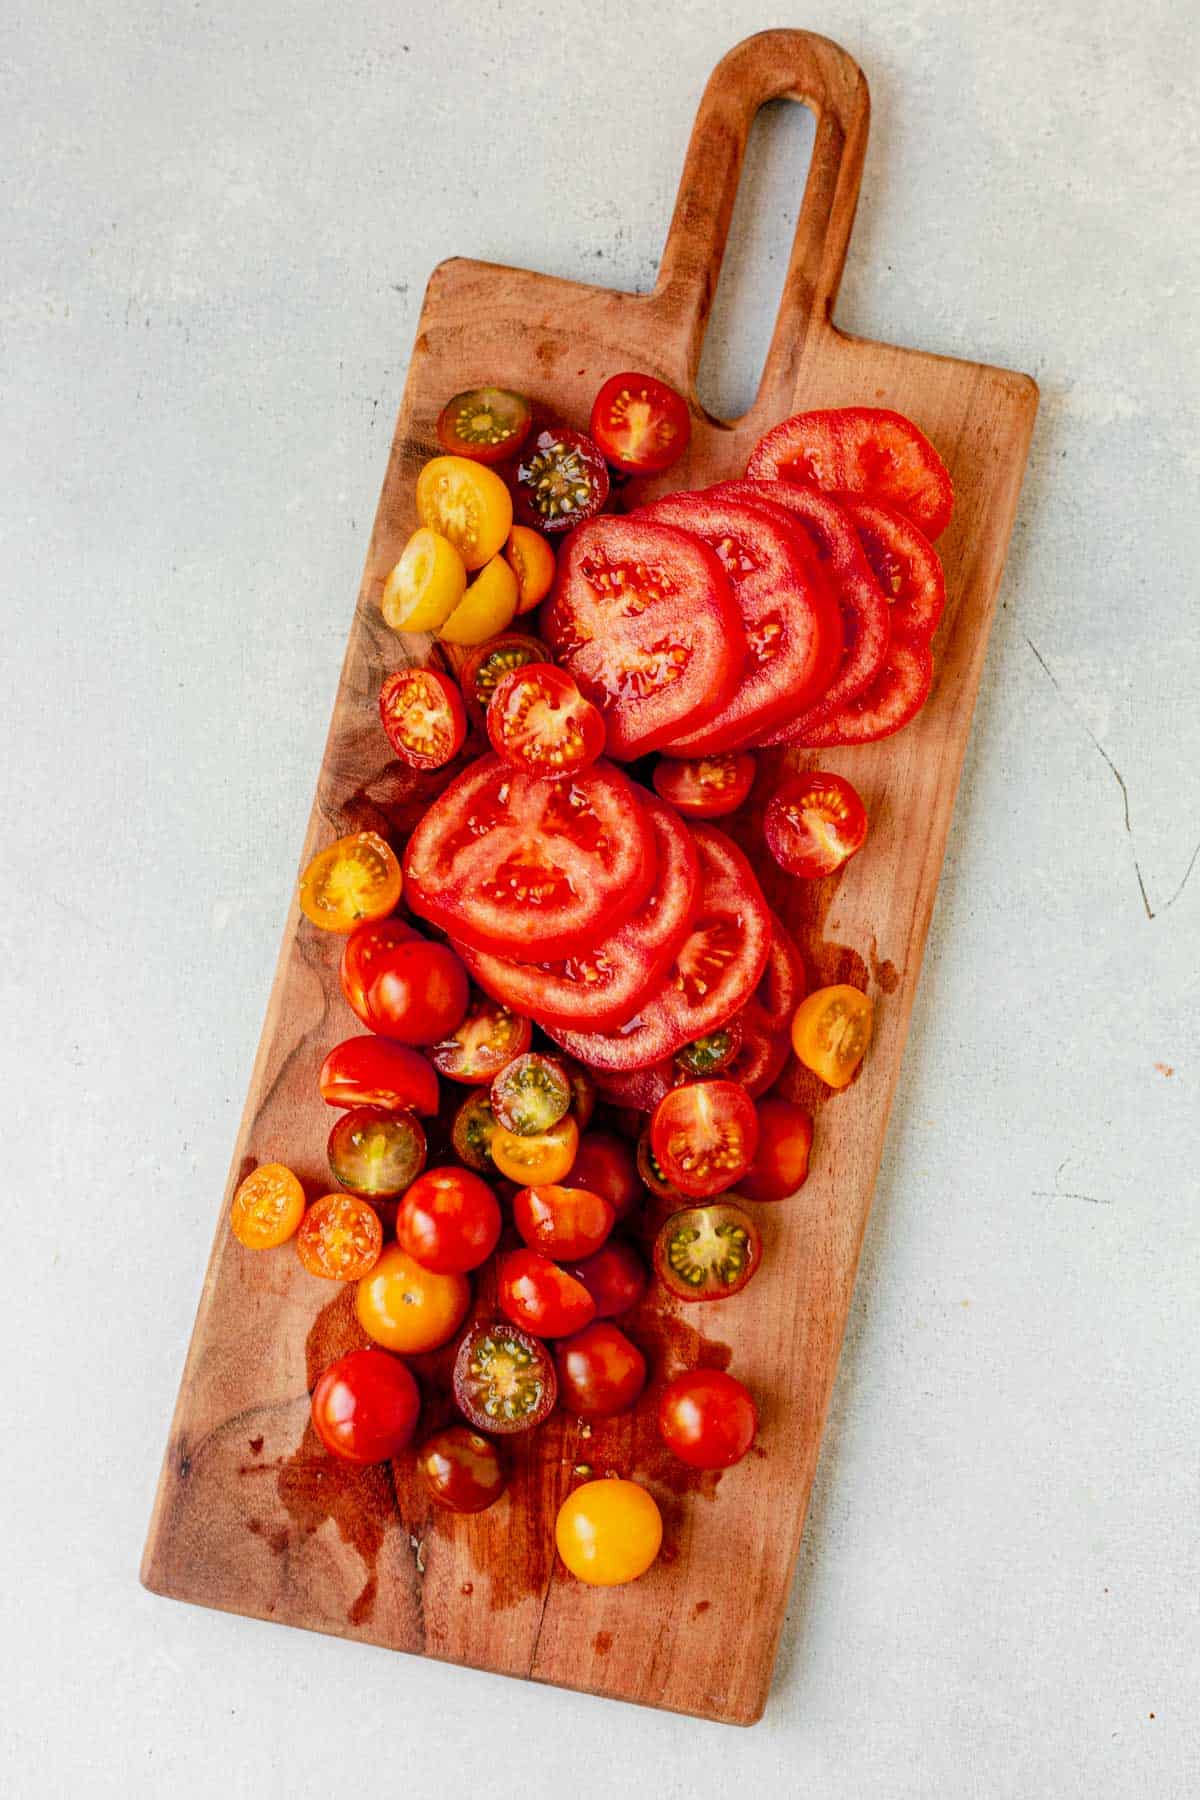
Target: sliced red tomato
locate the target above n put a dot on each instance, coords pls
(488, 1038)
(704, 1136)
(365, 952)
(860, 450)
(486, 666)
(790, 620)
(540, 1297)
(707, 787)
(641, 424)
(423, 716)
(762, 1051)
(643, 617)
(814, 823)
(561, 480)
(528, 868)
(888, 704)
(540, 722)
(714, 972)
(601, 987)
(373, 1071)
(906, 565)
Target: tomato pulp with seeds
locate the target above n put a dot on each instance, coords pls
(707, 1252)
(267, 1207)
(642, 615)
(831, 1032)
(449, 1221)
(372, 1071)
(815, 823)
(704, 1136)
(608, 1532)
(640, 423)
(487, 424)
(408, 1308)
(614, 1276)
(601, 1372)
(504, 1380)
(354, 878)
(651, 1173)
(462, 1469)
(707, 787)
(546, 1157)
(532, 562)
(540, 722)
(907, 566)
(340, 1238)
(891, 701)
(531, 1094)
(488, 1038)
(540, 1297)
(709, 1054)
(561, 480)
(512, 864)
(860, 450)
(780, 1166)
(488, 664)
(423, 717)
(466, 503)
(376, 1154)
(564, 1222)
(473, 1130)
(363, 955)
(707, 1418)
(365, 1407)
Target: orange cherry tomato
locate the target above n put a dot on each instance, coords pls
(426, 584)
(407, 1308)
(537, 1161)
(354, 878)
(488, 605)
(467, 503)
(608, 1532)
(267, 1207)
(831, 1031)
(532, 562)
(341, 1238)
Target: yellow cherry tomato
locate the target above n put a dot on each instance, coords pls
(536, 1161)
(532, 562)
(467, 503)
(267, 1207)
(352, 879)
(831, 1031)
(426, 584)
(407, 1308)
(486, 608)
(608, 1532)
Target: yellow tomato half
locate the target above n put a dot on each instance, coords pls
(426, 584)
(831, 1031)
(536, 1161)
(353, 879)
(608, 1532)
(486, 608)
(467, 503)
(407, 1308)
(532, 562)
(267, 1207)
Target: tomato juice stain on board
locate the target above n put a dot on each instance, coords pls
(602, 1644)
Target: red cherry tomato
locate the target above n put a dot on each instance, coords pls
(707, 1252)
(423, 716)
(704, 1136)
(707, 1419)
(562, 1221)
(362, 957)
(814, 824)
(641, 424)
(600, 1372)
(449, 1221)
(540, 722)
(462, 1469)
(780, 1166)
(615, 1277)
(540, 1297)
(863, 450)
(418, 993)
(504, 1380)
(486, 1040)
(706, 787)
(561, 480)
(604, 1164)
(365, 1407)
(371, 1071)
(488, 664)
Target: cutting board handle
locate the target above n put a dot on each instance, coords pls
(797, 65)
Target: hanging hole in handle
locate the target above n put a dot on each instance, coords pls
(778, 154)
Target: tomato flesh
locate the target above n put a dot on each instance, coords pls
(365, 1407)
(563, 1222)
(600, 1371)
(423, 716)
(488, 664)
(707, 1419)
(372, 1071)
(467, 504)
(426, 584)
(780, 1166)
(504, 1380)
(487, 424)
(449, 1221)
(608, 1532)
(708, 786)
(561, 480)
(376, 1154)
(831, 1032)
(531, 1094)
(709, 1054)
(462, 1469)
(614, 1276)
(355, 878)
(707, 1252)
(340, 1238)
(540, 1160)
(486, 1040)
(267, 1208)
(907, 566)
(814, 824)
(863, 450)
(704, 1136)
(535, 1294)
(532, 562)
(473, 1130)
(540, 722)
(640, 423)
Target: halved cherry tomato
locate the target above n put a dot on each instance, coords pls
(504, 1380)
(363, 955)
(487, 607)
(365, 1407)
(831, 1031)
(704, 1136)
(862, 450)
(354, 878)
(466, 503)
(608, 1532)
(449, 1221)
(423, 716)
(340, 1238)
(426, 584)
(707, 1419)
(709, 1054)
(462, 1469)
(408, 1308)
(371, 1071)
(486, 1041)
(485, 423)
(614, 1276)
(473, 1130)
(532, 562)
(564, 1222)
(376, 1154)
(488, 664)
(267, 1207)
(706, 787)
(815, 823)
(537, 1161)
(540, 1297)
(540, 722)
(780, 1166)
(418, 993)
(561, 480)
(651, 1172)
(604, 1165)
(600, 1372)
(707, 1252)
(531, 1094)
(641, 424)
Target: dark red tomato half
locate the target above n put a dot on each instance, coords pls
(641, 424)
(615, 1277)
(565, 1222)
(488, 424)
(423, 716)
(704, 1136)
(504, 1379)
(707, 1419)
(604, 1164)
(863, 450)
(887, 705)
(707, 1252)
(418, 993)
(488, 664)
(780, 1166)
(814, 823)
(462, 1469)
(372, 1071)
(365, 1407)
(601, 1372)
(540, 1297)
(705, 787)
(540, 722)
(561, 481)
(365, 951)
(483, 1044)
(449, 1221)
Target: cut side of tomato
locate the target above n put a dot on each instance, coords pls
(706, 788)
(783, 982)
(860, 450)
(340, 1238)
(707, 1252)
(704, 1136)
(487, 424)
(487, 664)
(504, 1380)
(709, 1054)
(643, 617)
(540, 722)
(538, 1161)
(354, 878)
(473, 1130)
(640, 423)
(466, 503)
(890, 702)
(488, 1038)
(762, 1051)
(831, 1032)
(532, 562)
(906, 565)
(814, 823)
(531, 1094)
(267, 1207)
(561, 480)
(423, 716)
(376, 1154)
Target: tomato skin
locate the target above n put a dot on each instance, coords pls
(532, 562)
(419, 993)
(780, 1166)
(640, 423)
(373, 1071)
(762, 1051)
(608, 1532)
(705, 787)
(814, 824)
(407, 1308)
(487, 665)
(356, 877)
(466, 503)
(426, 584)
(449, 1221)
(707, 1419)
(614, 1276)
(267, 1207)
(831, 1032)
(473, 1130)
(604, 1164)
(540, 722)
(504, 1379)
(462, 1469)
(537, 1161)
(362, 957)
(704, 1136)
(365, 1407)
(651, 1173)
(483, 1043)
(561, 480)
(707, 1252)
(487, 424)
(488, 606)
(540, 1297)
(376, 1154)
(862, 450)
(340, 1238)
(564, 1222)
(423, 717)
(600, 1371)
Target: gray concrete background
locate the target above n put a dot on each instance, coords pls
(218, 220)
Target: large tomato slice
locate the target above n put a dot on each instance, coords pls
(714, 973)
(508, 862)
(790, 619)
(907, 566)
(596, 988)
(860, 450)
(644, 619)
(765, 1021)
(891, 701)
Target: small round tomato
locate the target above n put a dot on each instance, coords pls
(651, 1172)
(365, 1407)
(362, 957)
(488, 605)
(704, 1136)
(707, 1419)
(488, 664)
(466, 503)
(604, 1165)
(340, 1238)
(376, 1154)
(540, 1297)
(780, 1166)
(537, 1161)
(462, 1469)
(583, 1091)
(530, 1094)
(423, 716)
(473, 1130)
(485, 423)
(449, 1221)
(532, 562)
(562, 1221)
(814, 824)
(267, 1207)
(419, 992)
(408, 1308)
(831, 1031)
(504, 1380)
(540, 722)
(600, 1372)
(488, 1038)
(640, 423)
(608, 1532)
(352, 879)
(561, 480)
(372, 1071)
(709, 1054)
(426, 584)
(707, 1252)
(615, 1277)
(707, 787)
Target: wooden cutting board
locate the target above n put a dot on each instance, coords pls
(250, 1515)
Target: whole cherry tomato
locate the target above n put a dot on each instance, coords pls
(449, 1221)
(540, 1297)
(780, 1166)
(600, 1371)
(614, 1276)
(532, 562)
(365, 1407)
(707, 1419)
(604, 1164)
(407, 1308)
(462, 1469)
(608, 1532)
(419, 993)
(371, 1071)
(704, 1136)
(565, 1222)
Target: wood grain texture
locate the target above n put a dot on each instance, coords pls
(250, 1515)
